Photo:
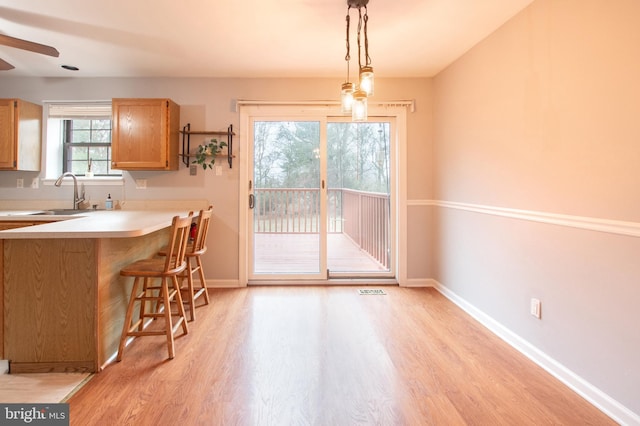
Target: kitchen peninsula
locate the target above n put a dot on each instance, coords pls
(63, 299)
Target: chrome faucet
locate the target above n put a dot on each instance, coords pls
(76, 200)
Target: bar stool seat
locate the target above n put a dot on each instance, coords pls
(166, 270)
(195, 250)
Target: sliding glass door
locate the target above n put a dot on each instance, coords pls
(320, 199)
(288, 232)
(359, 198)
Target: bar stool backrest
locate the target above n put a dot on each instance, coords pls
(200, 242)
(177, 248)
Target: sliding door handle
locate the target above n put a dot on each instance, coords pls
(252, 201)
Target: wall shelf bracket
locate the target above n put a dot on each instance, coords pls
(186, 141)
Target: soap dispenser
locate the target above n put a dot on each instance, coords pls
(108, 204)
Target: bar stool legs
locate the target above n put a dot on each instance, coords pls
(163, 296)
(166, 289)
(202, 291)
(193, 294)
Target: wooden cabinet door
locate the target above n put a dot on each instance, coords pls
(20, 135)
(7, 135)
(144, 137)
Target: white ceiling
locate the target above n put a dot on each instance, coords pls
(250, 38)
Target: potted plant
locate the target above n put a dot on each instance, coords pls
(206, 153)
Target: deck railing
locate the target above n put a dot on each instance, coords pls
(363, 216)
(366, 221)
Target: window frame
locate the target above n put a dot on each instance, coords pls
(57, 145)
(68, 145)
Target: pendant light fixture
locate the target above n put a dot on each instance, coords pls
(354, 99)
(366, 70)
(346, 97)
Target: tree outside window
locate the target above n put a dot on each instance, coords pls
(87, 147)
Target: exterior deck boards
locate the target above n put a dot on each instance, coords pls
(299, 253)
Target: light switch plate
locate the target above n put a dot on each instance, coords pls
(141, 184)
(193, 170)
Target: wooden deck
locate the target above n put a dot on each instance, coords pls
(300, 253)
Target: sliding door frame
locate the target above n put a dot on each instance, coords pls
(303, 111)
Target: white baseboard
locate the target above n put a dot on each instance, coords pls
(419, 282)
(223, 284)
(595, 396)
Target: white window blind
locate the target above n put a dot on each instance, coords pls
(70, 111)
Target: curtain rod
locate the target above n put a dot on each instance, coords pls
(399, 103)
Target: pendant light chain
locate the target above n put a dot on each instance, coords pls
(366, 37)
(359, 30)
(347, 57)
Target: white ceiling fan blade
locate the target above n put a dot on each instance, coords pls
(28, 45)
(5, 66)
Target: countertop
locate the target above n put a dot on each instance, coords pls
(89, 223)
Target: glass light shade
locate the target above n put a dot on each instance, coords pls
(359, 108)
(346, 97)
(366, 80)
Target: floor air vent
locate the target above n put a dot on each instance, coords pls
(370, 292)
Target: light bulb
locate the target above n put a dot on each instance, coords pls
(366, 80)
(347, 97)
(359, 108)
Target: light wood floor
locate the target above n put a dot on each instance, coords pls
(328, 356)
(40, 388)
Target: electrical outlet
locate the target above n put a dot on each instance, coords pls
(218, 170)
(536, 308)
(19, 183)
(141, 184)
(35, 183)
(193, 169)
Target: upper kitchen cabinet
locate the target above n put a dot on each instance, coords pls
(145, 134)
(20, 135)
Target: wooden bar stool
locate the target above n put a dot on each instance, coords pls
(164, 269)
(195, 250)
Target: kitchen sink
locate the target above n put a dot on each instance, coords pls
(61, 212)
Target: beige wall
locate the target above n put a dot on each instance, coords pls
(208, 104)
(543, 117)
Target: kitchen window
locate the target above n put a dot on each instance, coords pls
(84, 135)
(87, 147)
